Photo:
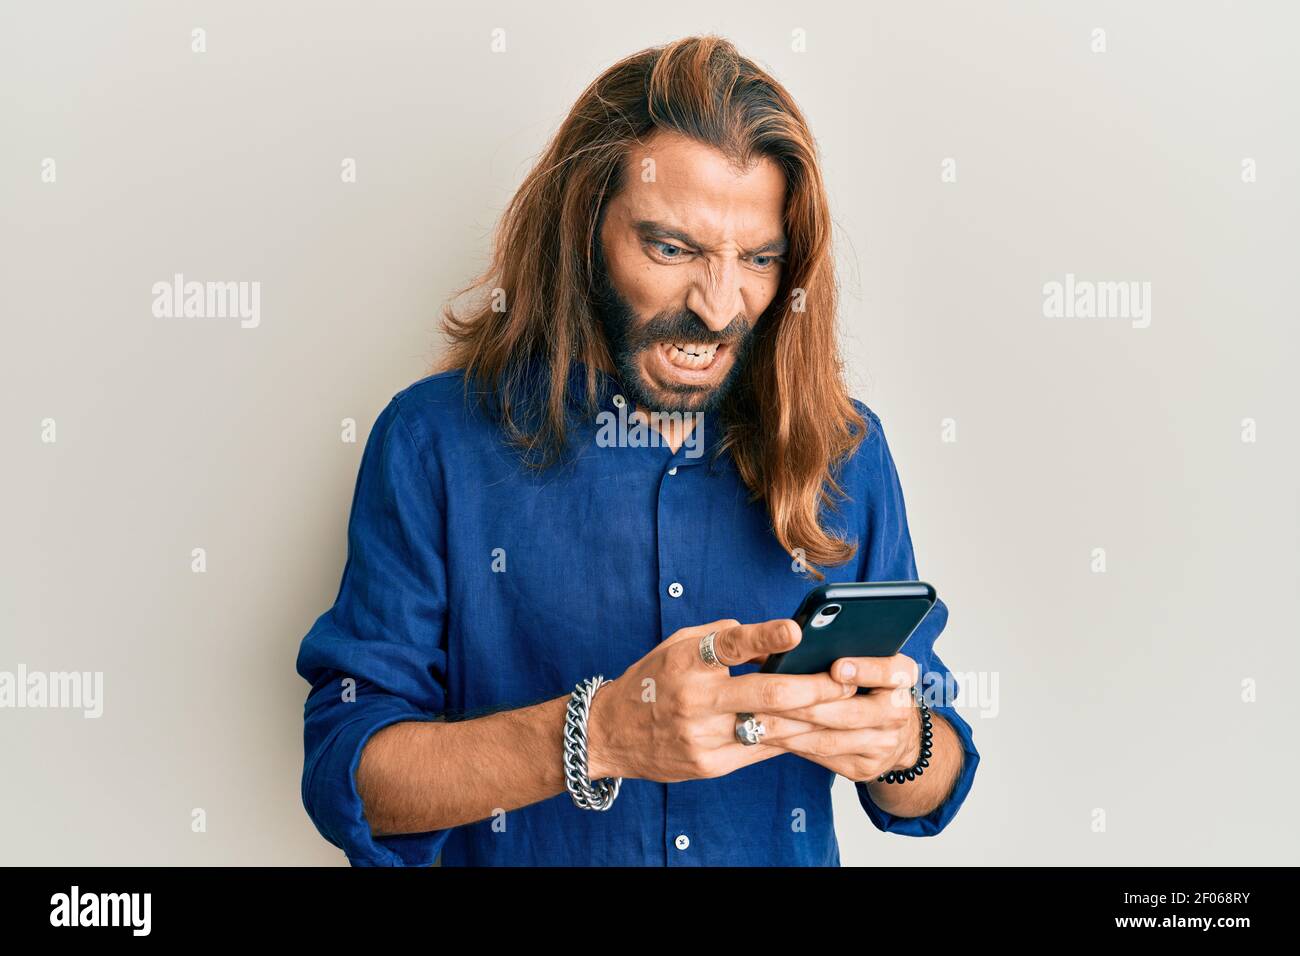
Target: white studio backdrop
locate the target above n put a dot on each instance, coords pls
(1107, 504)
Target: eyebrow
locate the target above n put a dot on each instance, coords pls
(775, 246)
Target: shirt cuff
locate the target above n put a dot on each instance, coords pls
(331, 799)
(937, 819)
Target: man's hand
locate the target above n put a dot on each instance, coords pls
(863, 735)
(671, 717)
(866, 735)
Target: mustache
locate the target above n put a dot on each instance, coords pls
(686, 326)
(681, 325)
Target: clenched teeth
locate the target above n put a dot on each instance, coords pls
(690, 354)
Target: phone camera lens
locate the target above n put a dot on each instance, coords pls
(825, 615)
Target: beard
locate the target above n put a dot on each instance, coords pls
(628, 336)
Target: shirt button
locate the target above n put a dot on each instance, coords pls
(620, 401)
(682, 841)
(672, 470)
(675, 589)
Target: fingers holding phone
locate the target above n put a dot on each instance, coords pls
(735, 643)
(673, 715)
(881, 696)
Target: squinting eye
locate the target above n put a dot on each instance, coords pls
(764, 261)
(667, 249)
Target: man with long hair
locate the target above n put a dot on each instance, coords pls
(639, 438)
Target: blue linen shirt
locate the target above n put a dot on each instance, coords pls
(472, 584)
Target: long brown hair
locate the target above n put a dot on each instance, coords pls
(789, 422)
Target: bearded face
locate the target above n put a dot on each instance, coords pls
(685, 259)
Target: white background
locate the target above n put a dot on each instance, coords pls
(1119, 691)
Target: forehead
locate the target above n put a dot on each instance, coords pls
(676, 180)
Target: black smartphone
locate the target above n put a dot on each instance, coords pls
(861, 619)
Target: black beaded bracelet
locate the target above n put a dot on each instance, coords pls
(927, 738)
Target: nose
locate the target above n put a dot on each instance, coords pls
(714, 295)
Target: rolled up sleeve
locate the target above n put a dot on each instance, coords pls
(890, 557)
(378, 656)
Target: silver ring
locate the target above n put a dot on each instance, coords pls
(748, 730)
(707, 653)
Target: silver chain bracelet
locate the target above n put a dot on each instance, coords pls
(596, 794)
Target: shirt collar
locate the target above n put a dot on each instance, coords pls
(608, 385)
(610, 393)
